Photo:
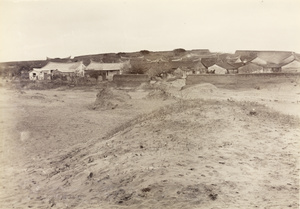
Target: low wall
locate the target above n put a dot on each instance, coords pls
(130, 80)
(243, 80)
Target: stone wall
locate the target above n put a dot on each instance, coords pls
(130, 80)
(243, 80)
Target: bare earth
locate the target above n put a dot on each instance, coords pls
(199, 147)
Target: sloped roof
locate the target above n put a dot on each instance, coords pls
(237, 64)
(216, 65)
(229, 66)
(104, 66)
(63, 67)
(207, 62)
(199, 64)
(249, 68)
(225, 65)
(275, 57)
(259, 61)
(294, 64)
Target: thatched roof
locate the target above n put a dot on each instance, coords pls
(105, 66)
(64, 67)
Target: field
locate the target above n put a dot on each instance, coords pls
(163, 145)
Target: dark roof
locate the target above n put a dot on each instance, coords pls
(225, 65)
(237, 65)
(207, 62)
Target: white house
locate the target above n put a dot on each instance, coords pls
(68, 69)
(40, 74)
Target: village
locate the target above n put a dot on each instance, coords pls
(179, 62)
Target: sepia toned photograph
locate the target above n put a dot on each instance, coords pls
(139, 104)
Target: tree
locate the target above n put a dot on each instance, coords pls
(179, 51)
(136, 68)
(144, 52)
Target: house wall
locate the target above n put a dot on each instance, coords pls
(38, 76)
(243, 80)
(217, 69)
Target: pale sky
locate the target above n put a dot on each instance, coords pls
(34, 29)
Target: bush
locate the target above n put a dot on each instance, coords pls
(144, 52)
(136, 68)
(179, 51)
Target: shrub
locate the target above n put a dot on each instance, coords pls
(135, 68)
(179, 51)
(144, 52)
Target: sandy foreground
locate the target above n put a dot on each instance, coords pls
(199, 147)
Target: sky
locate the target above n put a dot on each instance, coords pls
(36, 29)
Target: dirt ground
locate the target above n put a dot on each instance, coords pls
(161, 146)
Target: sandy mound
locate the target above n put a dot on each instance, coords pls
(158, 94)
(194, 91)
(109, 98)
(144, 86)
(175, 157)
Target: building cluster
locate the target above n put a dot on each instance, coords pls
(243, 62)
(68, 70)
(189, 62)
